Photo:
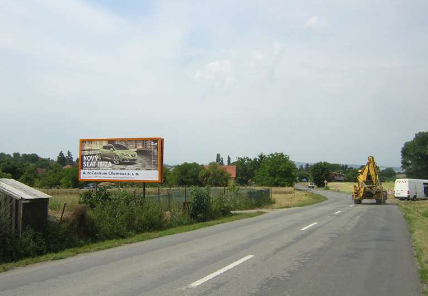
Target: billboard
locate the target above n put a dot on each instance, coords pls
(121, 160)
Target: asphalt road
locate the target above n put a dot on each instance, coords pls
(331, 248)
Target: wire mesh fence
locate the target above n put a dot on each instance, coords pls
(180, 195)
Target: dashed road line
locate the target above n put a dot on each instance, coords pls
(313, 224)
(220, 271)
(338, 212)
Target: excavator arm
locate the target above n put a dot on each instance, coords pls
(368, 184)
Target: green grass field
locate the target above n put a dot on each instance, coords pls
(289, 198)
(416, 214)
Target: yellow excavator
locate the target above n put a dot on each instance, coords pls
(369, 185)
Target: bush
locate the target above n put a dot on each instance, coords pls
(200, 205)
(92, 198)
(220, 206)
(82, 223)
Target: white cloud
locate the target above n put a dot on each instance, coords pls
(219, 72)
(316, 23)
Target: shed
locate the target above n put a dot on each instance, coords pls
(23, 205)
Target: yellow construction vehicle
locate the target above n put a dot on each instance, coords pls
(369, 185)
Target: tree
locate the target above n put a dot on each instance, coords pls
(303, 176)
(301, 168)
(30, 175)
(228, 160)
(69, 158)
(166, 175)
(214, 175)
(5, 175)
(276, 169)
(244, 170)
(61, 159)
(221, 161)
(307, 166)
(320, 172)
(414, 157)
(387, 174)
(351, 175)
(218, 158)
(186, 174)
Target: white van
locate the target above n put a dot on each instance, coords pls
(411, 189)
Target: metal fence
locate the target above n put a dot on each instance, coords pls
(180, 195)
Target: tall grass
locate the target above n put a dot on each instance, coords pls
(416, 214)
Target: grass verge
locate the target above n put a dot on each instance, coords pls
(416, 214)
(299, 198)
(119, 242)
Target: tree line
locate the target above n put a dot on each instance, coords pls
(275, 169)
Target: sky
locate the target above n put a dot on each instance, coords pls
(329, 80)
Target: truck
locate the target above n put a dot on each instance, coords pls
(411, 189)
(368, 184)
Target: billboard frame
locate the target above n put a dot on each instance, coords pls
(160, 160)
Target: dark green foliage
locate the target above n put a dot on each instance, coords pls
(93, 199)
(5, 175)
(30, 175)
(166, 176)
(200, 203)
(61, 159)
(245, 170)
(238, 199)
(214, 176)
(320, 172)
(186, 174)
(276, 169)
(387, 174)
(70, 178)
(351, 175)
(220, 206)
(229, 161)
(69, 158)
(302, 175)
(414, 157)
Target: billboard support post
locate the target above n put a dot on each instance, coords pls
(144, 191)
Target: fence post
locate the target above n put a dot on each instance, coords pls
(169, 198)
(62, 214)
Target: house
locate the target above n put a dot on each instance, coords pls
(231, 169)
(337, 177)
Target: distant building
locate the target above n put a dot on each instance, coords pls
(337, 177)
(231, 169)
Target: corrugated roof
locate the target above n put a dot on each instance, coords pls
(19, 190)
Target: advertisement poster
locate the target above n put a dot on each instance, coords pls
(121, 159)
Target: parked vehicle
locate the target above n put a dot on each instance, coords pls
(311, 185)
(411, 189)
(117, 153)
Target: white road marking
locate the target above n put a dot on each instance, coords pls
(338, 212)
(304, 228)
(220, 271)
(351, 206)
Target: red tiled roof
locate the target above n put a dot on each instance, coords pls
(231, 169)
